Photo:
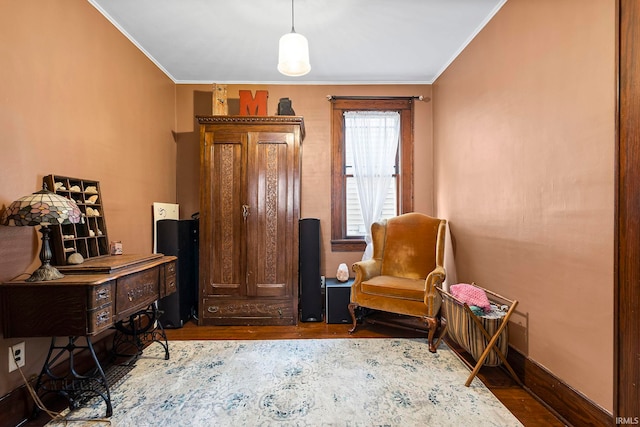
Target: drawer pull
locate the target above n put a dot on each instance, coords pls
(103, 294)
(213, 309)
(102, 318)
(130, 296)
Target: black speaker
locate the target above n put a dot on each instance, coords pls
(180, 238)
(338, 298)
(310, 283)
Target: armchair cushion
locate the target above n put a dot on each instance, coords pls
(395, 287)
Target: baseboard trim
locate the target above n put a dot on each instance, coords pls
(14, 407)
(570, 405)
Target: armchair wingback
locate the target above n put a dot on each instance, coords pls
(407, 264)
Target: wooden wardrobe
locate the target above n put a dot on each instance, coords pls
(249, 212)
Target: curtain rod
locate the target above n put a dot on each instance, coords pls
(372, 98)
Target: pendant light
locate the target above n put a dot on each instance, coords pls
(293, 54)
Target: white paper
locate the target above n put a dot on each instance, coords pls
(162, 211)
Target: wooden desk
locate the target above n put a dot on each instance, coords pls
(91, 298)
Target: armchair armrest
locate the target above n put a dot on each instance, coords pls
(435, 278)
(432, 298)
(366, 269)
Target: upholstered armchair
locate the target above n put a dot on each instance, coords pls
(407, 265)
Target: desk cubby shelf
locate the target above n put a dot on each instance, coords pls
(89, 237)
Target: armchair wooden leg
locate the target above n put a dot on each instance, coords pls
(432, 323)
(442, 331)
(352, 311)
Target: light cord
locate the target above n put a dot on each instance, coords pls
(293, 29)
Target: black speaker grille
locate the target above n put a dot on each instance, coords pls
(310, 283)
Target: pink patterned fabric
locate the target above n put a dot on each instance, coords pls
(470, 294)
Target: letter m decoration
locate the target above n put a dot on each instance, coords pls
(253, 106)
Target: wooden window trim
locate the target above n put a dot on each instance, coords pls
(405, 188)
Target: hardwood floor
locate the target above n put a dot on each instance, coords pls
(523, 405)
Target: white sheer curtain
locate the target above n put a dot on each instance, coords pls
(373, 136)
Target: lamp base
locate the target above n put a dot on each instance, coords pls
(45, 272)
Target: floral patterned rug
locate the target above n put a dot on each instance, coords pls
(328, 382)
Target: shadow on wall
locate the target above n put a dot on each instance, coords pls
(188, 153)
(518, 332)
(202, 106)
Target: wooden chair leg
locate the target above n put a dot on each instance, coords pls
(432, 324)
(442, 335)
(352, 311)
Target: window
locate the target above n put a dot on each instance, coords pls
(370, 147)
(347, 225)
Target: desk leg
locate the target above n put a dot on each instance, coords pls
(138, 331)
(75, 387)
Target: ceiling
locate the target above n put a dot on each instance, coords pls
(350, 41)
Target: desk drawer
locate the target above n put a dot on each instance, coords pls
(100, 319)
(100, 295)
(170, 281)
(136, 291)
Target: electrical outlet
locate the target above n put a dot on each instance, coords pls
(321, 282)
(16, 356)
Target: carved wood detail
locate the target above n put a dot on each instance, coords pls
(271, 230)
(245, 309)
(226, 211)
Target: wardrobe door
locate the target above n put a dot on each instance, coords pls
(226, 251)
(270, 239)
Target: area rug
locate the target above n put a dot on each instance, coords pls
(328, 382)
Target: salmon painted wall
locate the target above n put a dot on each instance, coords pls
(309, 101)
(524, 136)
(78, 99)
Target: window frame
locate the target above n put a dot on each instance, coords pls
(340, 242)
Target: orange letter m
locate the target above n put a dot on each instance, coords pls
(250, 106)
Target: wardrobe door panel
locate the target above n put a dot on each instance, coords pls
(227, 266)
(269, 237)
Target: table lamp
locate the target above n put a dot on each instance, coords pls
(42, 208)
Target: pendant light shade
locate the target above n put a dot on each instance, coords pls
(293, 53)
(293, 56)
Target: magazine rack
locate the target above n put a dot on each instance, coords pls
(484, 337)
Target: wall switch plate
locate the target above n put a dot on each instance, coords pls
(16, 356)
(321, 282)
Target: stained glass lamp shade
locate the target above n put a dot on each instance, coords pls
(42, 208)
